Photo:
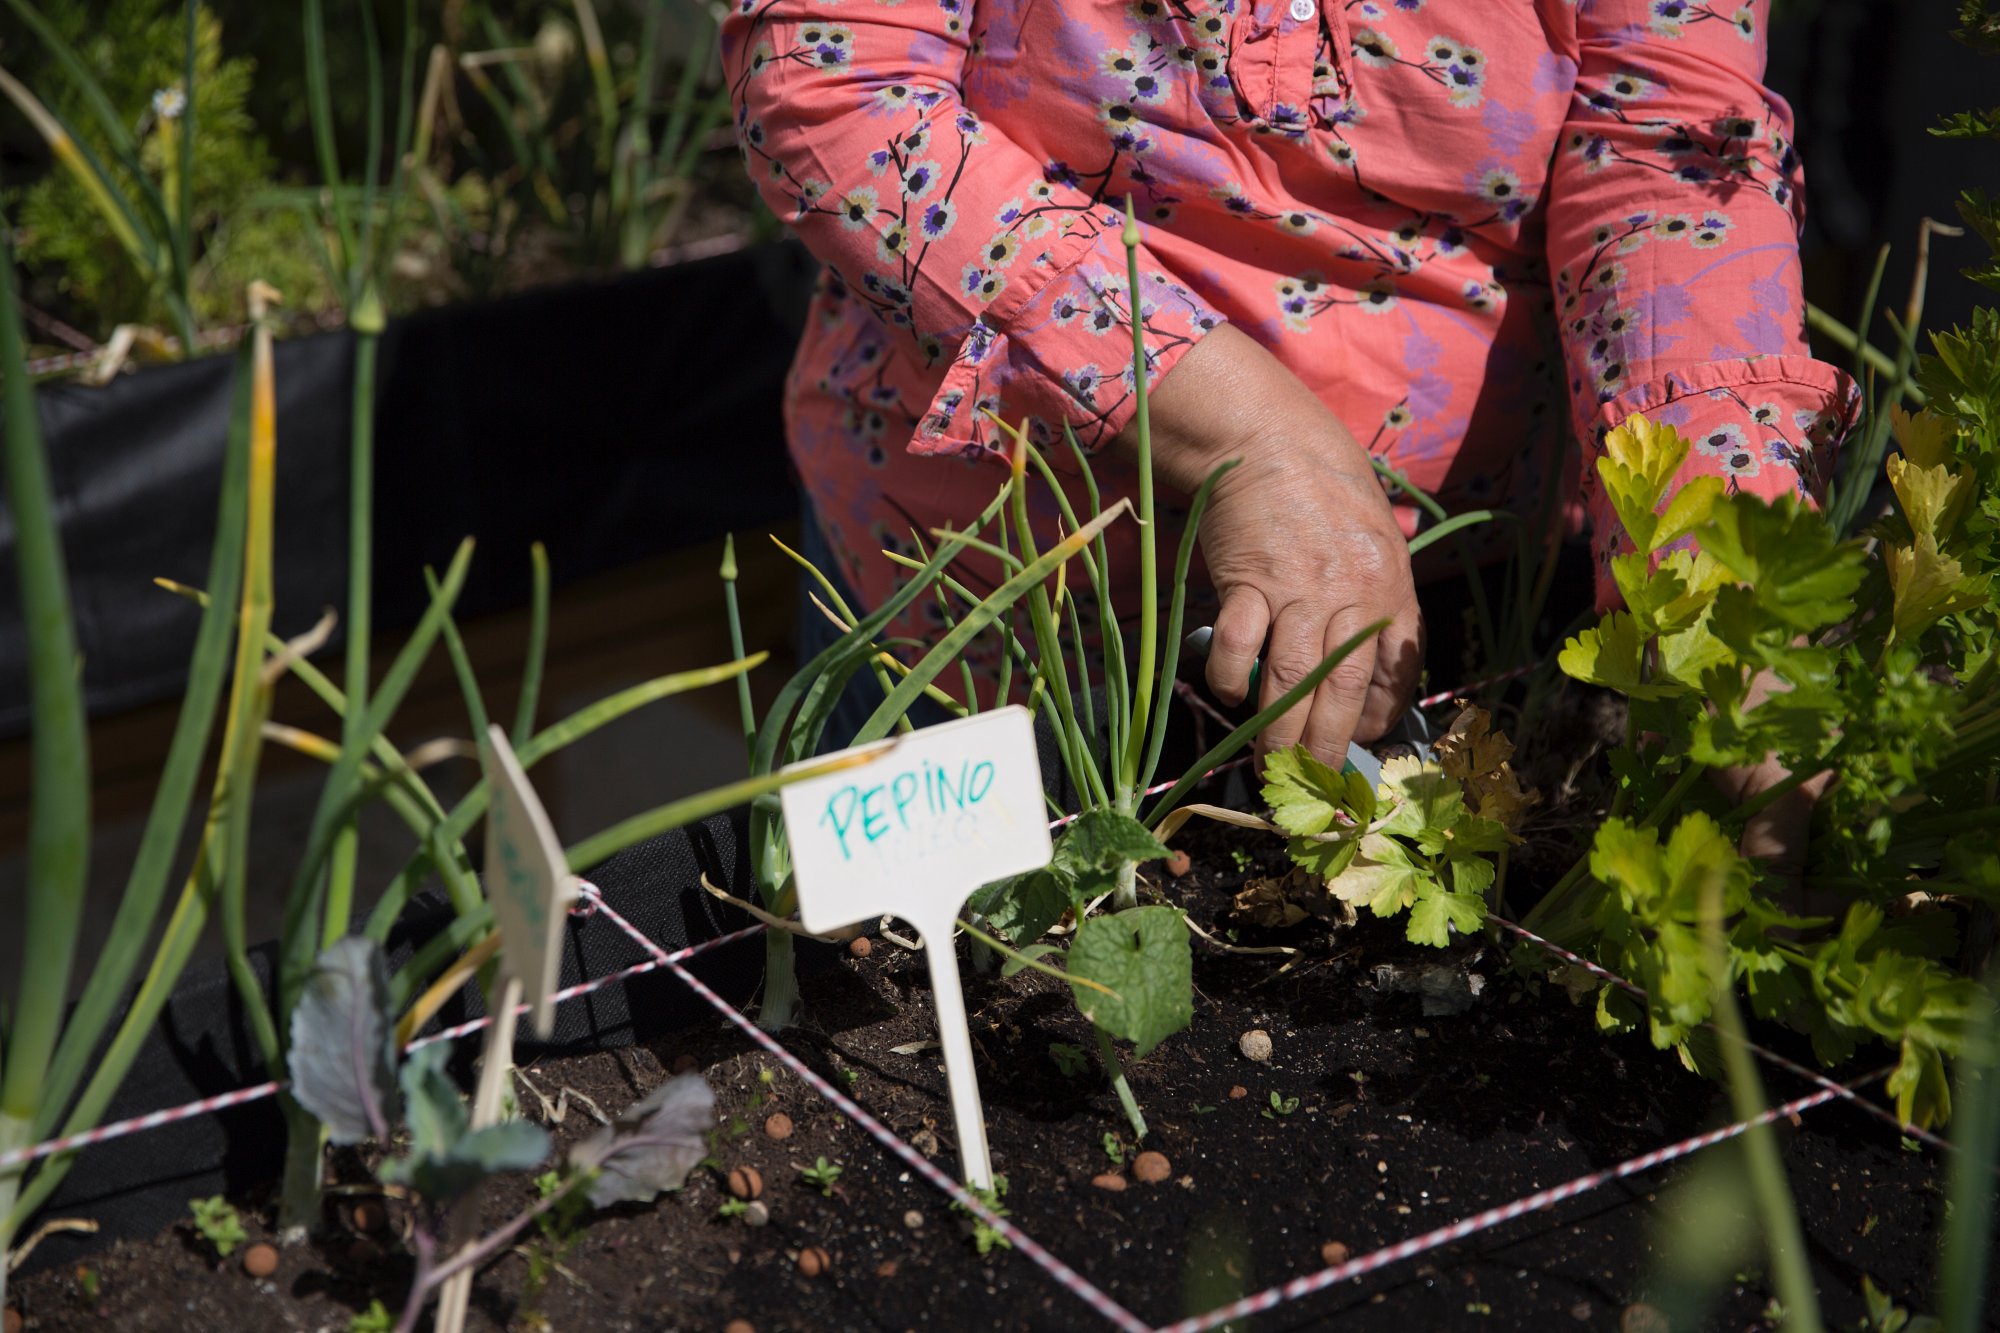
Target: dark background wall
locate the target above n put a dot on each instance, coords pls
(1867, 79)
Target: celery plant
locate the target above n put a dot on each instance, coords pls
(1890, 650)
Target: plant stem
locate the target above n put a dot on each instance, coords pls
(432, 1274)
(59, 805)
(781, 983)
(1785, 1242)
(1552, 907)
(1127, 765)
(305, 1158)
(14, 1133)
(1115, 1067)
(1968, 1239)
(1821, 322)
(360, 544)
(1126, 894)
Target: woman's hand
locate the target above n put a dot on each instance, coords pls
(1300, 543)
(1778, 834)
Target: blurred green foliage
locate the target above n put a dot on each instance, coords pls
(537, 163)
(133, 48)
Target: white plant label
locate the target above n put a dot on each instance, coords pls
(527, 878)
(911, 833)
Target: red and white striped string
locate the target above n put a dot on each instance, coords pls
(223, 1101)
(591, 902)
(1762, 1052)
(151, 1120)
(1492, 1217)
(1071, 1280)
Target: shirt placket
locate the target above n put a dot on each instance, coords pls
(1273, 59)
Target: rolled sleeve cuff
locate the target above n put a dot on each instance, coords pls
(1767, 426)
(1055, 346)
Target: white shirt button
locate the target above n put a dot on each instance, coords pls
(1303, 10)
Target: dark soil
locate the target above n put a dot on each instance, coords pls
(1403, 1122)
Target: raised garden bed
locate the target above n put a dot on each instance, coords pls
(1372, 1123)
(595, 417)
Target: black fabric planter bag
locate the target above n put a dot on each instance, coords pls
(612, 420)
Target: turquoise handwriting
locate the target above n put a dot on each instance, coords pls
(928, 793)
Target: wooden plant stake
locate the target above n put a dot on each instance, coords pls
(528, 881)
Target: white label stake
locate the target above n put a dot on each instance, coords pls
(911, 834)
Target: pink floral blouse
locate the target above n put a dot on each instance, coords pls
(1476, 228)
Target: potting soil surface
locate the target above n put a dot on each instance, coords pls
(1370, 1122)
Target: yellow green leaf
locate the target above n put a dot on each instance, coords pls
(1933, 498)
(1609, 656)
(1688, 510)
(1928, 586)
(1925, 437)
(1686, 654)
(1650, 451)
(1381, 878)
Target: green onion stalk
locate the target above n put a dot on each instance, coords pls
(59, 821)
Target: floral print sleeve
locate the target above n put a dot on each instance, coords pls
(1672, 237)
(1004, 271)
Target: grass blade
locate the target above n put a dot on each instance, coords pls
(319, 101)
(160, 840)
(1170, 663)
(80, 161)
(1149, 577)
(977, 619)
(572, 728)
(772, 733)
(1227, 747)
(538, 648)
(109, 123)
(303, 902)
(687, 810)
(1968, 1236)
(1454, 525)
(59, 820)
(249, 695)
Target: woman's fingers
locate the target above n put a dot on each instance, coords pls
(1780, 833)
(1294, 651)
(1238, 640)
(1399, 665)
(1341, 698)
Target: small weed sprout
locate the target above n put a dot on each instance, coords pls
(561, 1227)
(1069, 1060)
(1113, 1149)
(731, 1208)
(1280, 1105)
(218, 1224)
(985, 1236)
(375, 1319)
(822, 1175)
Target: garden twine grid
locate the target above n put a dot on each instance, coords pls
(591, 902)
